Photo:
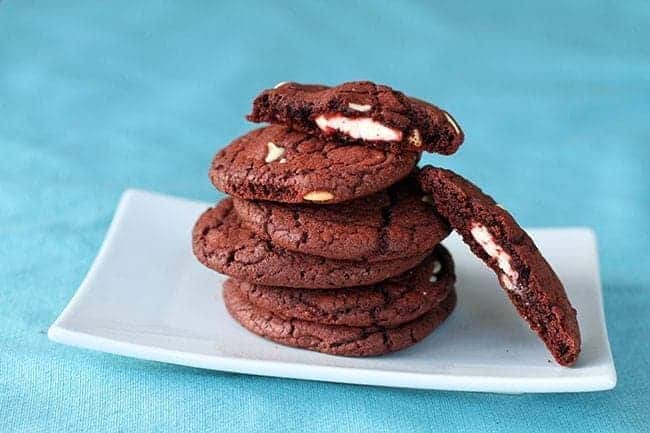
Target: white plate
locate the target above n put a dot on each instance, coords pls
(147, 297)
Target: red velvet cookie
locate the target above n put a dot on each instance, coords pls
(222, 243)
(360, 112)
(333, 339)
(387, 225)
(496, 238)
(277, 164)
(389, 303)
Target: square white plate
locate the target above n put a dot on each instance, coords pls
(146, 296)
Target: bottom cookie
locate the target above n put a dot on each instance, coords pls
(334, 339)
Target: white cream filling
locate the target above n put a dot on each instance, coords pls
(363, 128)
(483, 236)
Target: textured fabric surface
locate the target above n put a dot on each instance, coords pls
(96, 97)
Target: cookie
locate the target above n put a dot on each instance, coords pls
(222, 243)
(277, 164)
(387, 225)
(496, 238)
(333, 339)
(388, 304)
(361, 112)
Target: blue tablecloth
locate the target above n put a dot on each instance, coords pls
(96, 97)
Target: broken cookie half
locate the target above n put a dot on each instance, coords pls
(360, 112)
(496, 238)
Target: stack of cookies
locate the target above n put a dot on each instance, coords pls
(331, 237)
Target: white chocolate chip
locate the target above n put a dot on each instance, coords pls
(437, 267)
(283, 160)
(274, 152)
(452, 121)
(427, 199)
(415, 139)
(280, 84)
(360, 107)
(433, 278)
(318, 196)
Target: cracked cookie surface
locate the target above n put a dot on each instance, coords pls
(360, 112)
(495, 237)
(390, 224)
(334, 339)
(222, 243)
(276, 164)
(388, 304)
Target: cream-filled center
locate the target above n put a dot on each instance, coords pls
(363, 128)
(483, 236)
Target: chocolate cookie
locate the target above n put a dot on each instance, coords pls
(360, 111)
(496, 238)
(389, 303)
(333, 339)
(390, 224)
(221, 243)
(276, 164)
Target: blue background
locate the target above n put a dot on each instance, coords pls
(96, 97)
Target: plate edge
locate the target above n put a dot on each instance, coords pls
(280, 369)
(612, 374)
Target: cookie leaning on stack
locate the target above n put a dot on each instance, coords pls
(331, 237)
(327, 239)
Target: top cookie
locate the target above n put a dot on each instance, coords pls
(496, 238)
(360, 111)
(277, 164)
